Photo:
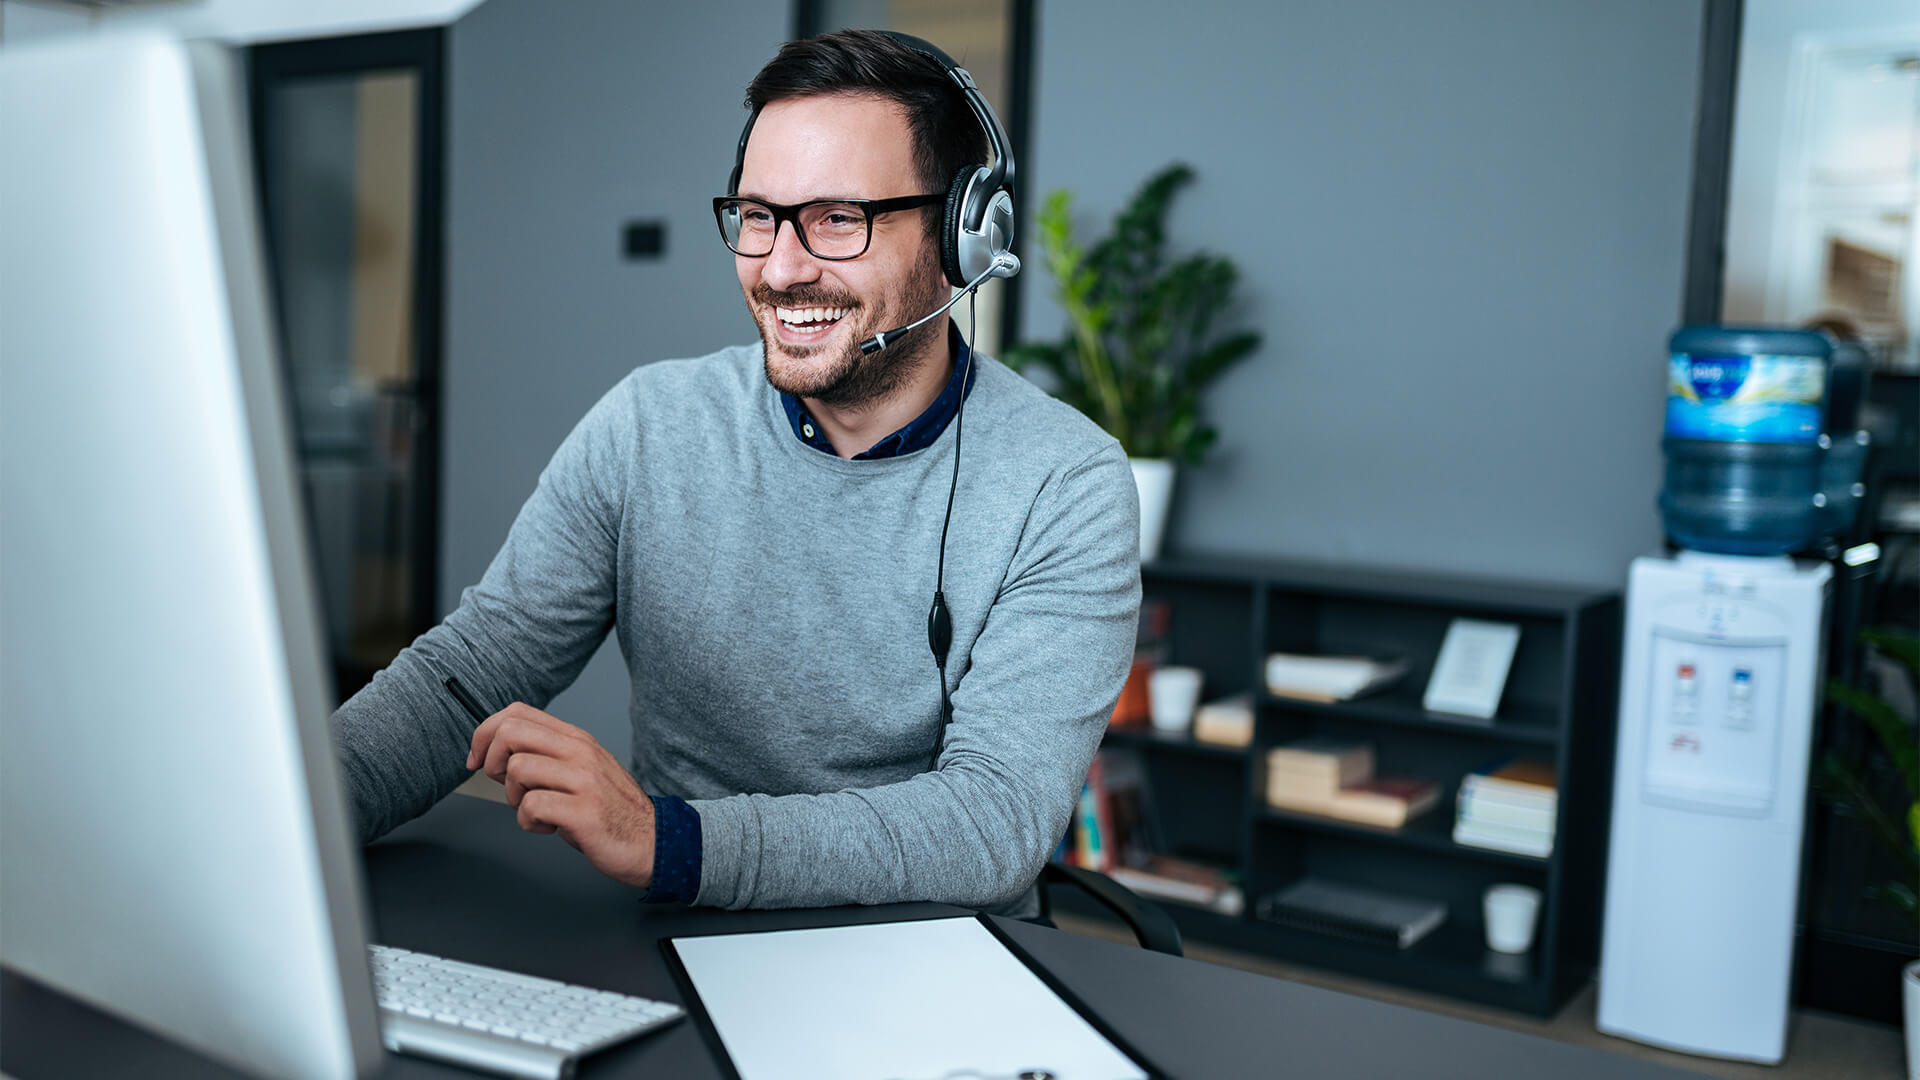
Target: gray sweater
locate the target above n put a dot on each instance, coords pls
(771, 603)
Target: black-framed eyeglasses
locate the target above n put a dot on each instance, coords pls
(829, 228)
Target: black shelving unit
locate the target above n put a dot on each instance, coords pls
(1209, 801)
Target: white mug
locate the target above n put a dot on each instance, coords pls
(1511, 911)
(1173, 693)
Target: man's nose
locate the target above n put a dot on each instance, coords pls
(789, 263)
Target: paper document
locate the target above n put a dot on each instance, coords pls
(1329, 678)
(890, 1001)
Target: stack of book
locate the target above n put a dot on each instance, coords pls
(1227, 722)
(1350, 911)
(1334, 778)
(1509, 807)
(1329, 678)
(1306, 774)
(1112, 832)
(1165, 877)
(1111, 824)
(1385, 801)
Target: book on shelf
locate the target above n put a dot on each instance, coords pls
(1112, 822)
(1167, 877)
(1494, 810)
(1226, 722)
(1334, 778)
(1329, 678)
(1088, 851)
(1504, 838)
(1511, 805)
(1520, 777)
(1134, 709)
(1385, 801)
(1151, 644)
(1314, 768)
(1486, 795)
(1520, 782)
(1352, 912)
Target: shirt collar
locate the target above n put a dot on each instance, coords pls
(918, 433)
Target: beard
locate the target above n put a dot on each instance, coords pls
(841, 375)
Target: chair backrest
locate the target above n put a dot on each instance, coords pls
(1154, 928)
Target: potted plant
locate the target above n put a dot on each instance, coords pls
(1898, 825)
(1141, 347)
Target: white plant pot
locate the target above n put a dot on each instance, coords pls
(1154, 478)
(1910, 1001)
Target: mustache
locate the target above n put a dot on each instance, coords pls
(799, 298)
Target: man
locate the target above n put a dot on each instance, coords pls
(762, 529)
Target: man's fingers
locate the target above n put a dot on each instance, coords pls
(545, 811)
(528, 771)
(482, 738)
(484, 735)
(517, 735)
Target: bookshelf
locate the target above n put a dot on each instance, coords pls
(1208, 801)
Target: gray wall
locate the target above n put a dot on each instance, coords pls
(565, 121)
(1461, 228)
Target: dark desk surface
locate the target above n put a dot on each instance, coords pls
(464, 882)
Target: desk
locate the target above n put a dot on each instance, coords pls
(465, 882)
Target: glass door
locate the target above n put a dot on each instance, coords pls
(347, 145)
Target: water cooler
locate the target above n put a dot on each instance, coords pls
(1721, 680)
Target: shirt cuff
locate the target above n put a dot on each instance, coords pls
(676, 852)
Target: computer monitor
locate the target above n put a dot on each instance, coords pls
(176, 838)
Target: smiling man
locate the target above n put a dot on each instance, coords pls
(763, 529)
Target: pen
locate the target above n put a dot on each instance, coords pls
(466, 700)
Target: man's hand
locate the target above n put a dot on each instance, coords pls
(562, 780)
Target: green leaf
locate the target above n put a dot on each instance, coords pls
(1895, 735)
(1901, 645)
(1901, 896)
(1222, 355)
(1022, 357)
(1140, 349)
(1853, 792)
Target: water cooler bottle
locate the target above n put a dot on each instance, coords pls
(1721, 679)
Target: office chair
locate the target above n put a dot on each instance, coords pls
(1152, 926)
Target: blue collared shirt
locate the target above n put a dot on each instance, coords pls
(918, 434)
(676, 830)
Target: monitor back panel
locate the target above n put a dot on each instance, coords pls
(175, 837)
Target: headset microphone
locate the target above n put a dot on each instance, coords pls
(1005, 265)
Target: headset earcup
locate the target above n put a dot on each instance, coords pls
(950, 230)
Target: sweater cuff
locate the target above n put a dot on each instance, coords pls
(729, 830)
(676, 852)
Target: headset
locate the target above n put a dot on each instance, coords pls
(976, 238)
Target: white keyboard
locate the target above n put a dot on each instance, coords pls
(500, 1021)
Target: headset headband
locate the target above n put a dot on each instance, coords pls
(1002, 176)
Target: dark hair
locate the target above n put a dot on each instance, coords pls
(947, 137)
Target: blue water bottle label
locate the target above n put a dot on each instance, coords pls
(1745, 398)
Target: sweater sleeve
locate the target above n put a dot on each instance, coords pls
(1030, 703)
(522, 634)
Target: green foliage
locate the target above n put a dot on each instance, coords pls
(1896, 738)
(1141, 348)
